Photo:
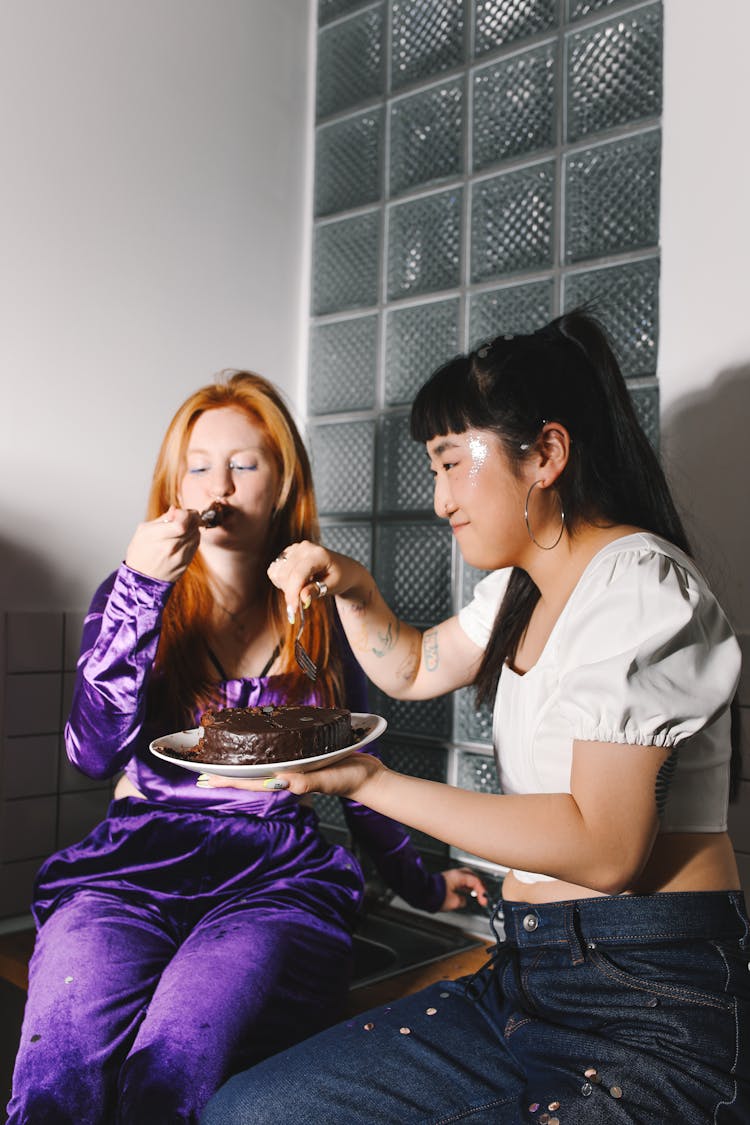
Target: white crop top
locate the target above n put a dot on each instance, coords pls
(641, 654)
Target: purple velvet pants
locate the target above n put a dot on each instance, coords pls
(175, 948)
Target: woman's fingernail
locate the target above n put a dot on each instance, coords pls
(275, 783)
(290, 614)
(306, 601)
(204, 781)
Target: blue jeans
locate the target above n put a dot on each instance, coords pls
(628, 1009)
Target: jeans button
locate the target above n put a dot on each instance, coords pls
(530, 923)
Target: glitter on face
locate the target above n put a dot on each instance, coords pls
(479, 451)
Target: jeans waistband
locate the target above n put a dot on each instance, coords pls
(666, 917)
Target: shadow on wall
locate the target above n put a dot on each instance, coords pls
(28, 581)
(704, 440)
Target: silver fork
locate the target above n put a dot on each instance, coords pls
(300, 655)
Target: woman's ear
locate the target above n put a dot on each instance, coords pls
(554, 450)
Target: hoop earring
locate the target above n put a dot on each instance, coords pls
(532, 537)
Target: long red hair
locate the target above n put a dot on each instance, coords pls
(181, 659)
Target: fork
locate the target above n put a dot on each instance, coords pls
(300, 655)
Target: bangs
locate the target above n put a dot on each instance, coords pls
(448, 403)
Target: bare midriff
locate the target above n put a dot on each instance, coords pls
(680, 861)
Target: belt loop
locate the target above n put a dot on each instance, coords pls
(572, 932)
(497, 923)
(737, 904)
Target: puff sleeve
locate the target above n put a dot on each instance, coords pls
(478, 616)
(647, 656)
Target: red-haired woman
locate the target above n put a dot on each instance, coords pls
(196, 931)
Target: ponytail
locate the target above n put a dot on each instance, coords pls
(564, 372)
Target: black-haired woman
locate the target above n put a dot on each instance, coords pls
(620, 986)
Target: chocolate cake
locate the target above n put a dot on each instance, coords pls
(214, 515)
(249, 736)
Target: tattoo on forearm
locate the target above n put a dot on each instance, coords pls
(431, 652)
(359, 606)
(389, 639)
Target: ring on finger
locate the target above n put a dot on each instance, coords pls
(321, 588)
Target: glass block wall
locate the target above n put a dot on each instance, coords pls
(480, 165)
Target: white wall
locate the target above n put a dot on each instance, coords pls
(154, 218)
(704, 349)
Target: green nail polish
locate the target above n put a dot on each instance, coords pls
(275, 783)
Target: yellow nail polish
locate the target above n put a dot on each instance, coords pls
(306, 601)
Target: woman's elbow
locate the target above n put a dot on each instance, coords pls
(96, 766)
(616, 874)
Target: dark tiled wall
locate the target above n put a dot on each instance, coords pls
(480, 166)
(45, 803)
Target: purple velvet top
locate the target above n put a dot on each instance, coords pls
(116, 713)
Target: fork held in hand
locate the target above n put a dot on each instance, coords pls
(300, 655)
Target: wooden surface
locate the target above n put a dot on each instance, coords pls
(15, 951)
(412, 980)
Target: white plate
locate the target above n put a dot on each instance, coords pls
(185, 739)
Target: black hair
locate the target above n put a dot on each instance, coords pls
(565, 372)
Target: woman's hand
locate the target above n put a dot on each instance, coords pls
(301, 566)
(460, 882)
(352, 777)
(163, 548)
